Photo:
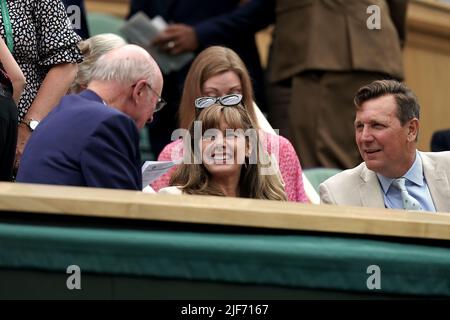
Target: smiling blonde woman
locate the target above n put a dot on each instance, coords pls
(227, 161)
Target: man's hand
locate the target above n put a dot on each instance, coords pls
(22, 138)
(177, 38)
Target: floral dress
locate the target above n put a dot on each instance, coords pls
(43, 37)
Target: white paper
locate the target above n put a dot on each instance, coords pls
(152, 170)
(159, 23)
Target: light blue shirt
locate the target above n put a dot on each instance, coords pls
(415, 184)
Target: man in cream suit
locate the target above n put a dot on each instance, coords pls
(394, 174)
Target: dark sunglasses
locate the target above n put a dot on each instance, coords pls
(227, 101)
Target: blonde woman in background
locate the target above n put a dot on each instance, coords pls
(92, 49)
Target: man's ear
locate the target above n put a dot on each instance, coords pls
(138, 90)
(413, 129)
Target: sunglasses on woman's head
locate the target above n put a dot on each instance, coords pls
(229, 100)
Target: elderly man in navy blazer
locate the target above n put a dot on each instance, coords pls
(92, 139)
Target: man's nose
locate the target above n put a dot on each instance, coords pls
(366, 134)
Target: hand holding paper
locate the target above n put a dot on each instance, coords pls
(143, 31)
(176, 39)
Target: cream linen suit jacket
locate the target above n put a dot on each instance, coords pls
(360, 187)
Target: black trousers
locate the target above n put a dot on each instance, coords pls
(8, 137)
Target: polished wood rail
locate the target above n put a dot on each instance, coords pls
(16, 197)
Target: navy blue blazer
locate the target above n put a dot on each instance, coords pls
(83, 142)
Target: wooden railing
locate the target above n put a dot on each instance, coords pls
(119, 204)
(118, 8)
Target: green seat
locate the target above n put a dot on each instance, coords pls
(318, 175)
(104, 23)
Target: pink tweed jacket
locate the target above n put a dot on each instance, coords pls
(288, 163)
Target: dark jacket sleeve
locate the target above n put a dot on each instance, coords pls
(111, 156)
(398, 14)
(136, 6)
(83, 31)
(247, 19)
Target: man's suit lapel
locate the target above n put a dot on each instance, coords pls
(437, 181)
(370, 190)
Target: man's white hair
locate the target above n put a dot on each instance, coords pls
(126, 67)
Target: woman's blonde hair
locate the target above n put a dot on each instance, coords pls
(210, 62)
(193, 177)
(92, 49)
